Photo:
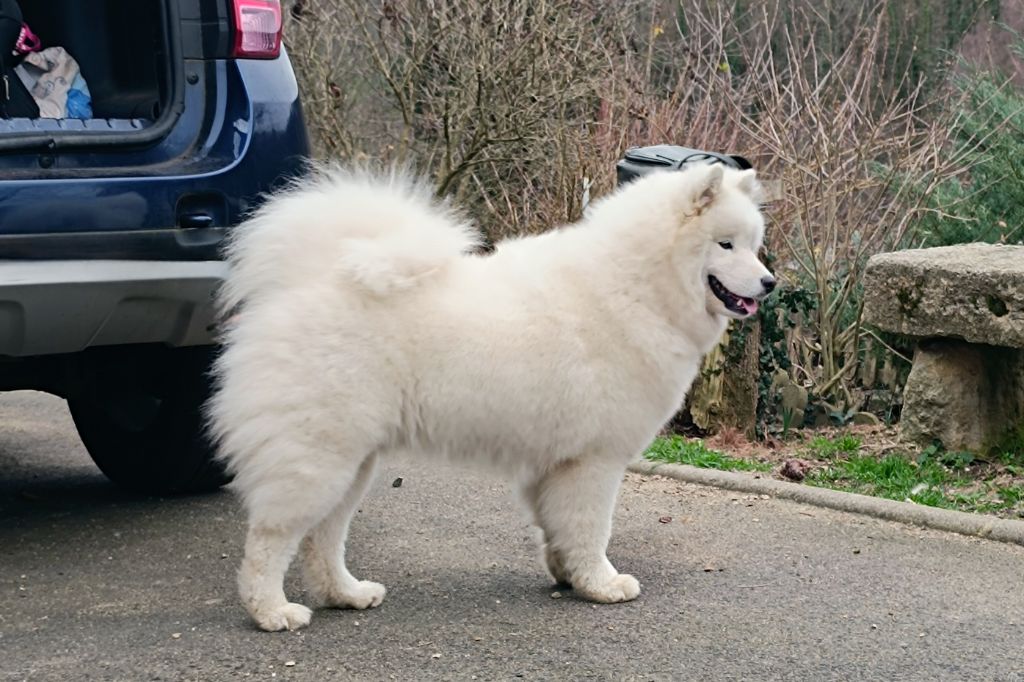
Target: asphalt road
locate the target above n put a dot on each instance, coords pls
(99, 585)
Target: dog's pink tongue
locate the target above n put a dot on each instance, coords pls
(749, 305)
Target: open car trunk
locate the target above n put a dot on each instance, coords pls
(128, 57)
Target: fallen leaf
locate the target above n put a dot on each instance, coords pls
(794, 469)
(665, 519)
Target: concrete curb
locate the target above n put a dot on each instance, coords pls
(976, 525)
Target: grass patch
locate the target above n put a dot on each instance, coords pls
(933, 477)
(827, 448)
(944, 480)
(1011, 496)
(679, 450)
(893, 477)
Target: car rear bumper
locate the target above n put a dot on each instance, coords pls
(65, 306)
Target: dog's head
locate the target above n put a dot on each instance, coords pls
(725, 204)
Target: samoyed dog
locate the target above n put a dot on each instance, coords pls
(361, 323)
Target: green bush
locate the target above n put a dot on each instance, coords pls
(987, 204)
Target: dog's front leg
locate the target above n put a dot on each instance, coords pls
(573, 504)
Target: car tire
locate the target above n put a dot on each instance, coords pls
(139, 414)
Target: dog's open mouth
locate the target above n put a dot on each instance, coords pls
(741, 305)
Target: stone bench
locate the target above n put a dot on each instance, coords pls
(965, 307)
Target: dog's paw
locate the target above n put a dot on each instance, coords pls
(288, 617)
(623, 587)
(365, 594)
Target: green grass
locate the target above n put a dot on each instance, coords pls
(933, 482)
(827, 448)
(679, 450)
(1012, 495)
(934, 478)
(893, 477)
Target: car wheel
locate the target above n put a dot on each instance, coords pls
(139, 415)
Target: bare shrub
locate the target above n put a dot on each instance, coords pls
(518, 109)
(856, 164)
(496, 101)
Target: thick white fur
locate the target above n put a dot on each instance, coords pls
(363, 326)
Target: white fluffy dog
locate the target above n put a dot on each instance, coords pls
(364, 326)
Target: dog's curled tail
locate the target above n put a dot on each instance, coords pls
(383, 232)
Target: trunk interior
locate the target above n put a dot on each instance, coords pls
(122, 52)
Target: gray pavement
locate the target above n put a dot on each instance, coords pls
(96, 584)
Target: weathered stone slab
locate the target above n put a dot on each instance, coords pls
(967, 396)
(965, 305)
(973, 292)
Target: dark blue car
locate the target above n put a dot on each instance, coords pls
(110, 224)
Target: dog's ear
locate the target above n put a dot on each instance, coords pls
(748, 184)
(707, 188)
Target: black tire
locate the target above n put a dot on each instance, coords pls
(139, 415)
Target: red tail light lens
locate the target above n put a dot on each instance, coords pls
(257, 29)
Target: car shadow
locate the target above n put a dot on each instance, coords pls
(38, 497)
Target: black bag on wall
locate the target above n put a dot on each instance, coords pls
(642, 160)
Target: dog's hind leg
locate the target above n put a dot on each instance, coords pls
(574, 505)
(552, 558)
(282, 509)
(269, 548)
(323, 552)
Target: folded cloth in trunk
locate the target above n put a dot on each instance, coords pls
(55, 81)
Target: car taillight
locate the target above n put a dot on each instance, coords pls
(257, 29)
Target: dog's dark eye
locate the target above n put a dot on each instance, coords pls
(725, 245)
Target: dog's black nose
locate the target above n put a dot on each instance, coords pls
(768, 283)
